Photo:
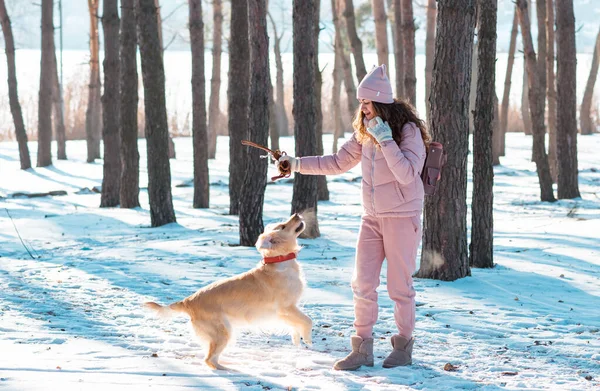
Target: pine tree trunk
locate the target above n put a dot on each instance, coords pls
(525, 109)
(551, 89)
(93, 114)
(497, 135)
(255, 178)
(13, 96)
(541, 44)
(381, 39)
(237, 98)
(280, 115)
(586, 104)
(214, 113)
(355, 42)
(336, 87)
(535, 96)
(429, 50)
(44, 154)
(507, 83)
(199, 127)
(59, 118)
(408, 43)
(398, 49)
(157, 134)
(130, 156)
(349, 85)
(566, 118)
(444, 255)
(305, 112)
(482, 206)
(111, 178)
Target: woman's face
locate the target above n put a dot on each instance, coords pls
(366, 106)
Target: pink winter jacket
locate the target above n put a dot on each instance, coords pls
(391, 182)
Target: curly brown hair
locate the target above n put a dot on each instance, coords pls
(397, 114)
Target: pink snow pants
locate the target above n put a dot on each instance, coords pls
(396, 239)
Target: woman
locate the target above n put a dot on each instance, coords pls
(390, 141)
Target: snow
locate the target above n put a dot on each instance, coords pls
(71, 319)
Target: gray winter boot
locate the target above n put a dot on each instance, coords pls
(362, 354)
(402, 353)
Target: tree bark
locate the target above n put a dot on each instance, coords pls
(355, 42)
(535, 96)
(157, 134)
(199, 127)
(59, 117)
(586, 104)
(13, 96)
(381, 39)
(93, 115)
(482, 206)
(322, 190)
(525, 109)
(111, 178)
(255, 179)
(429, 50)
(304, 200)
(336, 75)
(408, 43)
(349, 85)
(496, 136)
(44, 154)
(130, 156)
(444, 255)
(566, 118)
(398, 48)
(214, 113)
(507, 83)
(551, 89)
(237, 98)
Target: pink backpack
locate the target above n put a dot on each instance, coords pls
(432, 169)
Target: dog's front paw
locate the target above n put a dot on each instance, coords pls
(307, 339)
(296, 338)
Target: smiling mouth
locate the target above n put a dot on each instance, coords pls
(300, 227)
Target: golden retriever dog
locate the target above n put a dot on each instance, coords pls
(269, 291)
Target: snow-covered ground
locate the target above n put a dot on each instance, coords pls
(70, 314)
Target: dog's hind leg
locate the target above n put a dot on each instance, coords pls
(217, 334)
(300, 323)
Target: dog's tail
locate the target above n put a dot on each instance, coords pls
(166, 311)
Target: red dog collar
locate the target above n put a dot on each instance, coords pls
(279, 258)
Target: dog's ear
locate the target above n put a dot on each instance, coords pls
(264, 242)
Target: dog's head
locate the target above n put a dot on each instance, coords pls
(281, 239)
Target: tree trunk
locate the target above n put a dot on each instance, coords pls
(444, 255)
(336, 87)
(473, 88)
(482, 206)
(130, 156)
(59, 117)
(255, 179)
(381, 39)
(157, 134)
(507, 83)
(199, 127)
(305, 111)
(322, 191)
(408, 43)
(349, 85)
(429, 50)
(586, 104)
(273, 131)
(13, 96)
(214, 113)
(111, 178)
(237, 98)
(551, 89)
(566, 118)
(44, 154)
(535, 95)
(497, 135)
(541, 44)
(355, 42)
(525, 110)
(398, 48)
(281, 118)
(93, 114)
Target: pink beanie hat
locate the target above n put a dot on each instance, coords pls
(375, 86)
